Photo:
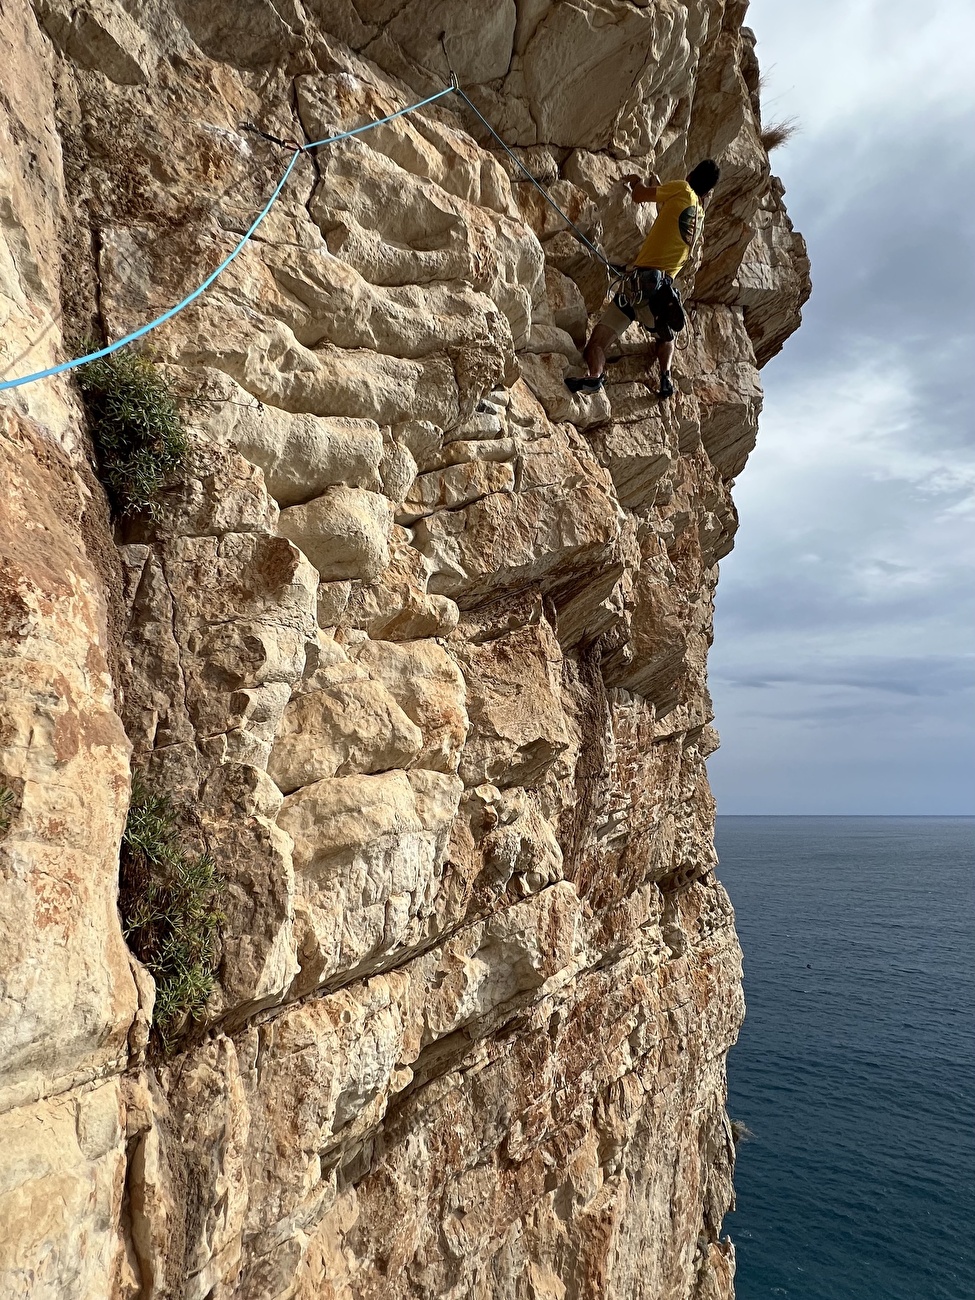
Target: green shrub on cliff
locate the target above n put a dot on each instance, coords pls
(136, 427)
(167, 898)
(7, 805)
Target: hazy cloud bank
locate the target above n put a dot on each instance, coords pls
(842, 670)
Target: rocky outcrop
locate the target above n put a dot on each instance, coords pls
(416, 646)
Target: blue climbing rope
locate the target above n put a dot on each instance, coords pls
(160, 320)
(411, 108)
(453, 88)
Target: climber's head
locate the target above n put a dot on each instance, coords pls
(704, 177)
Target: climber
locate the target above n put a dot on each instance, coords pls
(647, 293)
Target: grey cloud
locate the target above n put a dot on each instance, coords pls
(842, 671)
(788, 601)
(895, 259)
(920, 677)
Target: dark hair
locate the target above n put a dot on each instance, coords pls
(704, 177)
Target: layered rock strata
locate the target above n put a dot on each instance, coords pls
(416, 646)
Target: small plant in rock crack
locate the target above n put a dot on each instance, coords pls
(167, 898)
(740, 1132)
(136, 426)
(8, 802)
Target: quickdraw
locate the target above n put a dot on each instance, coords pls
(266, 135)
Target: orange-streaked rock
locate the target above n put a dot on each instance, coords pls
(417, 646)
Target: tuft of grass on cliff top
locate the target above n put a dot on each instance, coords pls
(136, 426)
(779, 133)
(167, 898)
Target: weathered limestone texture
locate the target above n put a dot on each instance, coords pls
(416, 645)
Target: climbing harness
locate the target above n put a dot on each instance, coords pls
(661, 298)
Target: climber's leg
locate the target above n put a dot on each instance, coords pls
(610, 325)
(594, 355)
(665, 355)
(602, 337)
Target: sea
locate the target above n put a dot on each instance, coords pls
(855, 1070)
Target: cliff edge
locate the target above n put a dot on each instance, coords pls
(414, 646)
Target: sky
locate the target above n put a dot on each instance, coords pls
(843, 669)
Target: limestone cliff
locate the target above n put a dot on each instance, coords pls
(416, 647)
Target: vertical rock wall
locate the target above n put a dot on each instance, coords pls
(416, 646)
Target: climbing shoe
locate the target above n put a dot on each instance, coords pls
(587, 384)
(666, 388)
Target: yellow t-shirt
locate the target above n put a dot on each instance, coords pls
(680, 220)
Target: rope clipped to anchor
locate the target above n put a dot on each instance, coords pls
(298, 151)
(266, 135)
(583, 238)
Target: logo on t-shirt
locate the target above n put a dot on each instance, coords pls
(688, 222)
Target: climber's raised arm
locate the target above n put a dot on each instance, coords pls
(642, 191)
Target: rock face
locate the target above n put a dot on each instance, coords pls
(416, 646)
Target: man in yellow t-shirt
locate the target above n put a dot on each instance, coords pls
(669, 243)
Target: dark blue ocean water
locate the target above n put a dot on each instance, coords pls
(856, 1067)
